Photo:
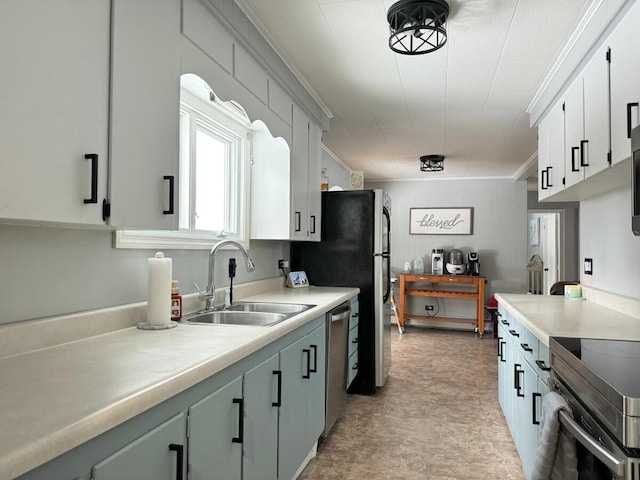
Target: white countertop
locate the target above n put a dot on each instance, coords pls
(91, 385)
(554, 315)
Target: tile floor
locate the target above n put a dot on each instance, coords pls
(437, 418)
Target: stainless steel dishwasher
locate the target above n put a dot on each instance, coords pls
(336, 387)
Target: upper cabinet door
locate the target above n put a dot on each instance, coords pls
(300, 177)
(315, 178)
(594, 148)
(54, 99)
(625, 83)
(574, 128)
(145, 106)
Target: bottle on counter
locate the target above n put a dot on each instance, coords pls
(324, 182)
(176, 301)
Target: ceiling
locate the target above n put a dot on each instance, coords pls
(466, 101)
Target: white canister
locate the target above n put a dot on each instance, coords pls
(406, 268)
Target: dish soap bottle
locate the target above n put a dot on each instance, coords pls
(324, 182)
(176, 301)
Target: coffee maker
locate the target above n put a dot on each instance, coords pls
(473, 265)
(437, 261)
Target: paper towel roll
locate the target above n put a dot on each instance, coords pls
(573, 291)
(159, 298)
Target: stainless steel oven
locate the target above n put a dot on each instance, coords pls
(600, 380)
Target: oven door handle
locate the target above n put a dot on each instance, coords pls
(614, 464)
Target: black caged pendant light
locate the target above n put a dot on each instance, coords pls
(432, 163)
(417, 26)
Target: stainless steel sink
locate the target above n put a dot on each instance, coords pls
(264, 314)
(286, 308)
(262, 319)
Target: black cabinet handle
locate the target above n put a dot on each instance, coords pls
(356, 315)
(179, 449)
(502, 358)
(355, 340)
(543, 182)
(500, 348)
(514, 333)
(534, 415)
(313, 224)
(240, 436)
(307, 352)
(298, 222)
(355, 366)
(542, 366)
(573, 159)
(498, 314)
(516, 379)
(583, 162)
(526, 347)
(278, 403)
(629, 107)
(314, 369)
(504, 322)
(94, 177)
(549, 184)
(172, 181)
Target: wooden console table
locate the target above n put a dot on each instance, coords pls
(440, 287)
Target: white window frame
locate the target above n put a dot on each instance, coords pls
(229, 117)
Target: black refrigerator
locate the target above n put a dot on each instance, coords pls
(354, 251)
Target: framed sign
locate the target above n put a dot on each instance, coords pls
(534, 231)
(441, 221)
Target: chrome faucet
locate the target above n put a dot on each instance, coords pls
(209, 296)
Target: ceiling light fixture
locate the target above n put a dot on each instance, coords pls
(417, 26)
(432, 163)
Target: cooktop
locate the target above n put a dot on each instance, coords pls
(616, 362)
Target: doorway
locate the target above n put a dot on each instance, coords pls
(546, 239)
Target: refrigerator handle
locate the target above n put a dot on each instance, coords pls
(387, 255)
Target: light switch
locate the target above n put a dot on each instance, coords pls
(588, 266)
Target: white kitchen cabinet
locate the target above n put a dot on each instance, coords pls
(625, 83)
(303, 395)
(157, 455)
(574, 132)
(551, 156)
(285, 185)
(55, 109)
(145, 102)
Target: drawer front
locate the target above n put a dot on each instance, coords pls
(542, 361)
(352, 368)
(528, 344)
(353, 340)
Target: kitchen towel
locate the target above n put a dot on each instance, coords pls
(556, 455)
(159, 297)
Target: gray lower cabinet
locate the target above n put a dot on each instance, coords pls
(352, 346)
(303, 396)
(157, 455)
(522, 376)
(215, 434)
(262, 400)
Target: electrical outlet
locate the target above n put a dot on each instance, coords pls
(428, 308)
(588, 266)
(283, 264)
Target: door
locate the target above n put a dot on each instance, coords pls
(216, 434)
(262, 387)
(157, 455)
(549, 241)
(54, 114)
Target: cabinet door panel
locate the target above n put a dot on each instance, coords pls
(213, 424)
(292, 431)
(145, 103)
(314, 193)
(316, 388)
(300, 177)
(574, 128)
(625, 82)
(149, 457)
(595, 151)
(204, 30)
(260, 457)
(55, 107)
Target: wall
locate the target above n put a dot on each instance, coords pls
(53, 271)
(337, 171)
(499, 230)
(605, 236)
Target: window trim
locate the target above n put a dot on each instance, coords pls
(222, 112)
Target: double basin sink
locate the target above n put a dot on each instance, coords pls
(263, 314)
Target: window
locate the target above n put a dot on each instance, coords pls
(214, 164)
